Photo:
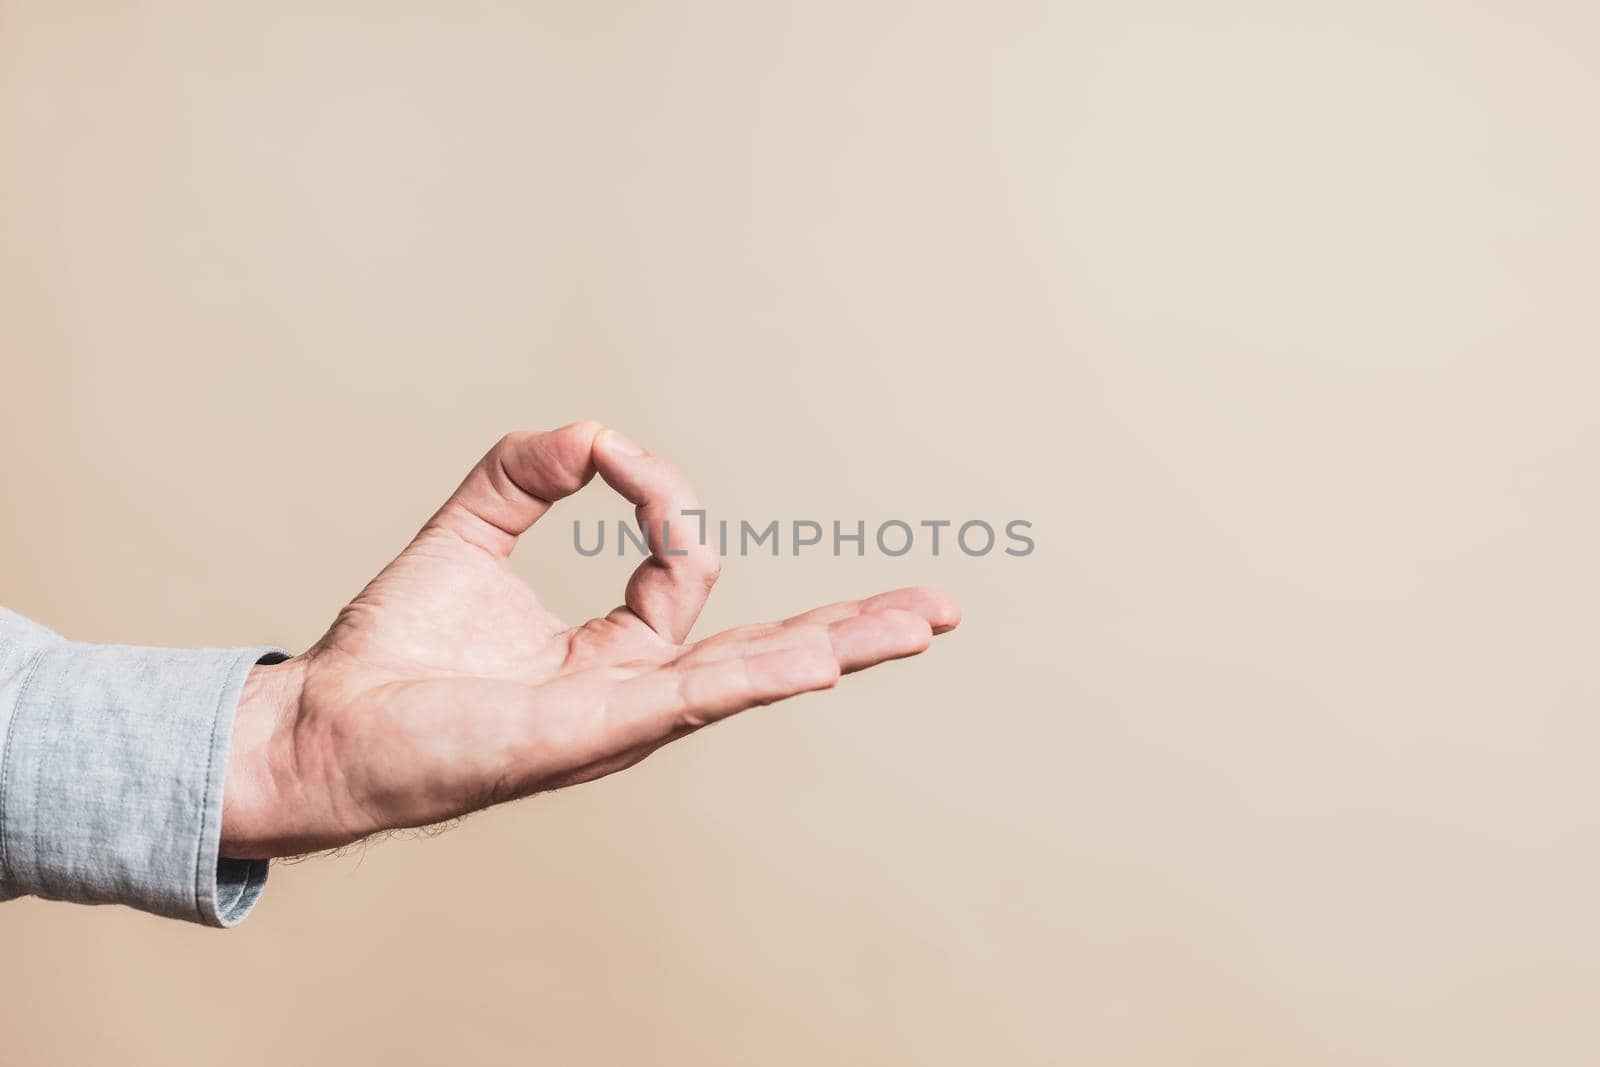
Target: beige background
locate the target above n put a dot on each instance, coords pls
(1278, 320)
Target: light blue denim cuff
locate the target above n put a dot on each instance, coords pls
(112, 760)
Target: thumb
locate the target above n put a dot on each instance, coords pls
(515, 483)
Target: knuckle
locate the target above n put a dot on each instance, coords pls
(709, 564)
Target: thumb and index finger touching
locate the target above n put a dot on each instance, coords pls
(524, 474)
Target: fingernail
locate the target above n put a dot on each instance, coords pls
(620, 444)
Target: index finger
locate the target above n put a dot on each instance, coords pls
(669, 589)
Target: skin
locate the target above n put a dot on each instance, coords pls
(445, 686)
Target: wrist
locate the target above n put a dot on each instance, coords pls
(262, 728)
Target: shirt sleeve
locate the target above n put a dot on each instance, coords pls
(112, 759)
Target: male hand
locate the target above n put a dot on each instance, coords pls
(445, 686)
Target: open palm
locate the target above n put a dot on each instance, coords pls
(445, 686)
